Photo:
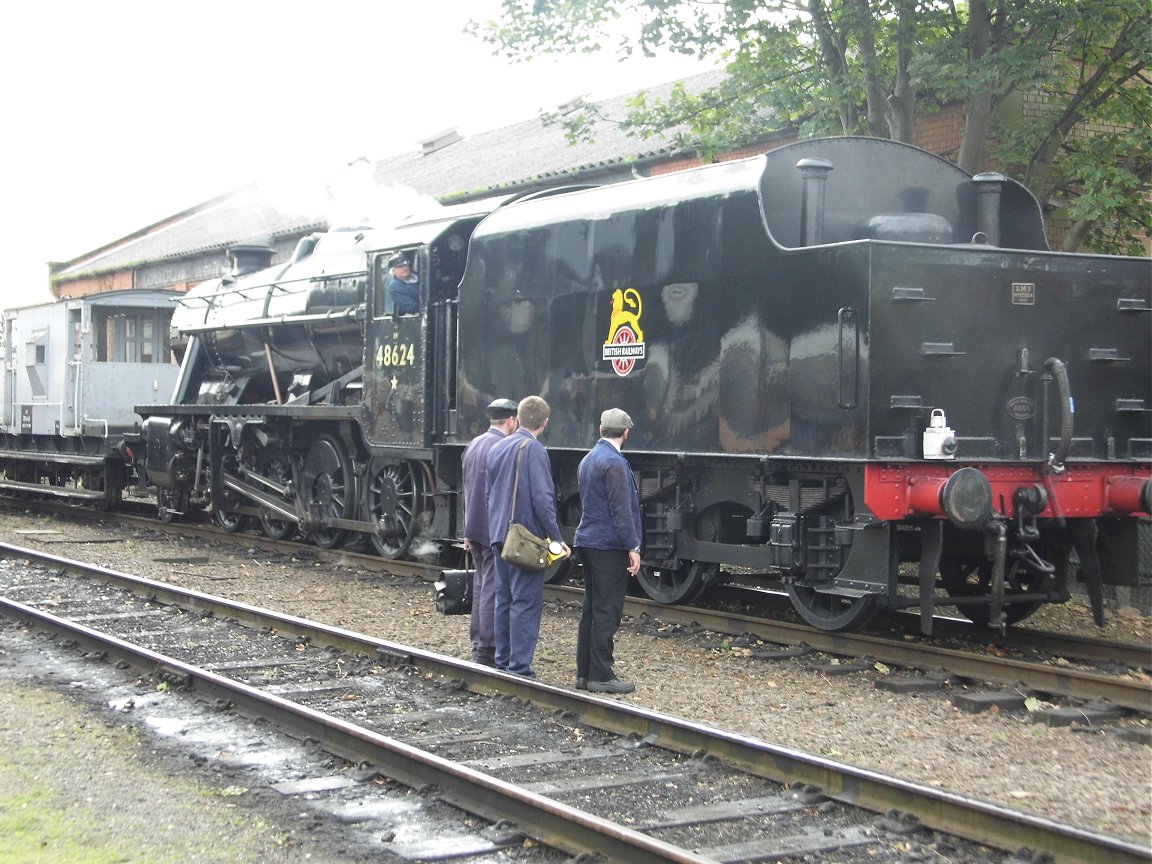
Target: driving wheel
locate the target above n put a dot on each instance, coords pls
(225, 514)
(396, 493)
(277, 469)
(327, 485)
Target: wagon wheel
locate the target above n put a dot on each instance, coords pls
(278, 471)
(328, 484)
(680, 584)
(111, 481)
(831, 611)
(684, 581)
(396, 494)
(972, 577)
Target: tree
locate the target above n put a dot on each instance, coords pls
(871, 66)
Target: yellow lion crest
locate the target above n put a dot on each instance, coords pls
(626, 308)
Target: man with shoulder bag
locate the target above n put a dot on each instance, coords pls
(521, 492)
(502, 416)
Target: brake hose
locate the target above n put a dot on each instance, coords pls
(1056, 460)
(1060, 375)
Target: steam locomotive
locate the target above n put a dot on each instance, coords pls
(855, 371)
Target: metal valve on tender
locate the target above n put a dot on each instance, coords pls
(939, 440)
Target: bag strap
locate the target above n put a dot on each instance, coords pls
(516, 484)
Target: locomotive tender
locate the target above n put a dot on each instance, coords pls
(852, 366)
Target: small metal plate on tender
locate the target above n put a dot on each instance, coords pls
(1023, 293)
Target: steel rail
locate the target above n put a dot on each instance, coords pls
(1132, 693)
(547, 820)
(1017, 638)
(972, 819)
(1136, 695)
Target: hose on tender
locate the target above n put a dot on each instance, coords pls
(1059, 374)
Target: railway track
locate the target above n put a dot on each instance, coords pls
(571, 770)
(1076, 670)
(1121, 683)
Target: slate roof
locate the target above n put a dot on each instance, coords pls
(532, 153)
(527, 153)
(240, 217)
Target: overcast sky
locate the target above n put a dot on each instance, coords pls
(118, 114)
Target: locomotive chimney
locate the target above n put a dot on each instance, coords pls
(249, 259)
(988, 187)
(814, 172)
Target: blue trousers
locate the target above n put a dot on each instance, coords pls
(519, 608)
(605, 584)
(482, 626)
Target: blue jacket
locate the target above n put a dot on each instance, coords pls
(476, 485)
(536, 498)
(610, 500)
(405, 296)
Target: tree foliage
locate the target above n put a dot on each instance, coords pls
(1055, 92)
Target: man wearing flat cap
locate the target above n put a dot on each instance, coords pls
(521, 490)
(502, 415)
(404, 287)
(608, 542)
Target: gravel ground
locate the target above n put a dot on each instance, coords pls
(1088, 777)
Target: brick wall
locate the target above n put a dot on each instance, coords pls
(121, 280)
(940, 133)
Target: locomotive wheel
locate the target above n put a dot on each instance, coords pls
(327, 480)
(228, 520)
(277, 470)
(225, 516)
(395, 495)
(970, 577)
(831, 611)
(170, 504)
(678, 585)
(276, 529)
(164, 504)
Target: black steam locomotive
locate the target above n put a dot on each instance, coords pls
(852, 366)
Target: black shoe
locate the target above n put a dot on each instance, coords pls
(613, 686)
(581, 683)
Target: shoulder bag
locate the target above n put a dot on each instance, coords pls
(522, 548)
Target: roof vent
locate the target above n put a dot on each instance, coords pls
(439, 141)
(249, 259)
(570, 106)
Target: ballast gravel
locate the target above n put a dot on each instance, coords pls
(1088, 776)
